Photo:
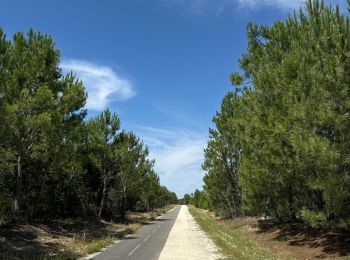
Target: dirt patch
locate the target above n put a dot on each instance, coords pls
(294, 240)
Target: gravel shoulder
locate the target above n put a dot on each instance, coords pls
(187, 241)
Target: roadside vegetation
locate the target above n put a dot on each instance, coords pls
(55, 163)
(230, 239)
(280, 147)
(253, 238)
(68, 238)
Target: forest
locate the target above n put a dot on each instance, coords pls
(280, 147)
(55, 161)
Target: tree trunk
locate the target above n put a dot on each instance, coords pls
(103, 197)
(292, 212)
(18, 199)
(231, 206)
(242, 202)
(37, 199)
(123, 208)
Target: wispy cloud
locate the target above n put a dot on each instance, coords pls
(218, 6)
(180, 119)
(285, 4)
(178, 154)
(103, 84)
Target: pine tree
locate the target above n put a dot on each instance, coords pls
(103, 131)
(33, 93)
(285, 127)
(222, 157)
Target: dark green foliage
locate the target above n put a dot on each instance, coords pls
(52, 162)
(222, 157)
(288, 123)
(185, 200)
(201, 200)
(102, 135)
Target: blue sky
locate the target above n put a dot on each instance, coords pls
(162, 65)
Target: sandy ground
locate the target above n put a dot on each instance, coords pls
(187, 241)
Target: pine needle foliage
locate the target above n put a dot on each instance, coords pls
(290, 121)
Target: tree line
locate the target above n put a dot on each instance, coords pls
(54, 162)
(280, 147)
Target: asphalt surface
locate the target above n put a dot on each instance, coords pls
(147, 243)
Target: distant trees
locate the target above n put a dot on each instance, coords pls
(185, 200)
(200, 199)
(52, 161)
(281, 143)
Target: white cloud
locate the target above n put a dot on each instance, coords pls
(102, 83)
(178, 154)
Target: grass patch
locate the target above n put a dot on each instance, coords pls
(63, 255)
(229, 237)
(97, 245)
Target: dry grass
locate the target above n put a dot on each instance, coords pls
(249, 238)
(68, 238)
(229, 238)
(297, 241)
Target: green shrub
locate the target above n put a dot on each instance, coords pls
(314, 219)
(97, 245)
